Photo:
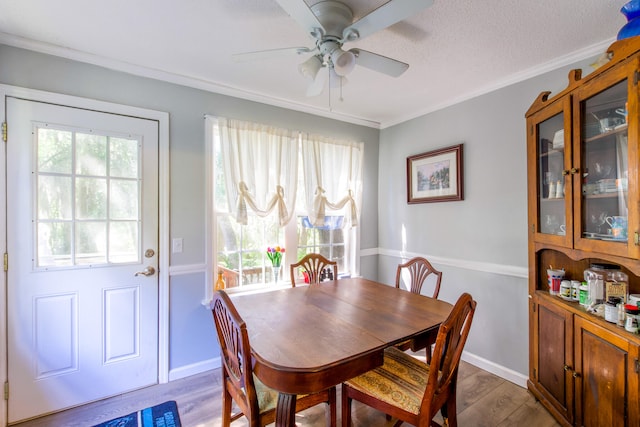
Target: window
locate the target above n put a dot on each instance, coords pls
(87, 196)
(240, 250)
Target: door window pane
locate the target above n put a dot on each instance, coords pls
(91, 198)
(91, 242)
(54, 151)
(123, 241)
(91, 154)
(123, 154)
(123, 199)
(54, 244)
(54, 197)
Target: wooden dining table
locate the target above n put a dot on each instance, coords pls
(306, 339)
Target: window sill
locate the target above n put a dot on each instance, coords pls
(249, 289)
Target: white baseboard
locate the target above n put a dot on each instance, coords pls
(508, 374)
(195, 368)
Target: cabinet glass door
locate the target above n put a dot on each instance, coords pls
(604, 160)
(551, 181)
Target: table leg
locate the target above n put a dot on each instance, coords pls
(286, 410)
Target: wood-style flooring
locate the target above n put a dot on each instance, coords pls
(484, 400)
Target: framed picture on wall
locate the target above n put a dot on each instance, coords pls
(435, 176)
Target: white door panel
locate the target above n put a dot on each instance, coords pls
(82, 197)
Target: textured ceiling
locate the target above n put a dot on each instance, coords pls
(456, 49)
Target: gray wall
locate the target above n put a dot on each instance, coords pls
(192, 335)
(479, 243)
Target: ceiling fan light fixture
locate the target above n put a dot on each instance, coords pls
(343, 62)
(309, 68)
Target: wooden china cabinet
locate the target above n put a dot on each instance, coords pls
(583, 171)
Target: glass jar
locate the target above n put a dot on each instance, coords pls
(631, 323)
(584, 294)
(611, 309)
(597, 275)
(575, 290)
(565, 290)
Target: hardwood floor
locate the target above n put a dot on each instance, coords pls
(483, 400)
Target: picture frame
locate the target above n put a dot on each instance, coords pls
(436, 176)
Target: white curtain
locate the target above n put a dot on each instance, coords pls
(332, 178)
(260, 167)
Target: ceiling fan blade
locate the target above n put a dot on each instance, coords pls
(271, 53)
(316, 87)
(301, 13)
(383, 17)
(379, 63)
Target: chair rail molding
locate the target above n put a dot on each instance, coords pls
(485, 267)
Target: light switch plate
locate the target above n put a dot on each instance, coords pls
(176, 245)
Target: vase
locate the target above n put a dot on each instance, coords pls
(276, 273)
(631, 11)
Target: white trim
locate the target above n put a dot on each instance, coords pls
(181, 270)
(163, 205)
(209, 223)
(484, 267)
(4, 370)
(554, 64)
(209, 86)
(195, 368)
(508, 374)
(180, 79)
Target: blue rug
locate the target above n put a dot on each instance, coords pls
(162, 415)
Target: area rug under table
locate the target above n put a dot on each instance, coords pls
(162, 415)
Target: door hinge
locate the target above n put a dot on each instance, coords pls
(637, 366)
(635, 78)
(6, 390)
(6, 262)
(535, 374)
(533, 306)
(4, 131)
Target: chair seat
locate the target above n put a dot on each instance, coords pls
(267, 397)
(401, 381)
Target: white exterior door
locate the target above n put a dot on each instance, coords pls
(82, 221)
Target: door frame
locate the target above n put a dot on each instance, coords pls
(163, 216)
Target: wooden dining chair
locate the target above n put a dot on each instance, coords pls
(413, 391)
(313, 265)
(419, 269)
(256, 401)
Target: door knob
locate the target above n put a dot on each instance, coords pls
(148, 271)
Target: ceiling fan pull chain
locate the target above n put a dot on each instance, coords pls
(329, 92)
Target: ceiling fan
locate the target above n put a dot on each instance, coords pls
(330, 24)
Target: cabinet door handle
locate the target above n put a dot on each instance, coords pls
(575, 374)
(574, 171)
(565, 172)
(567, 367)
